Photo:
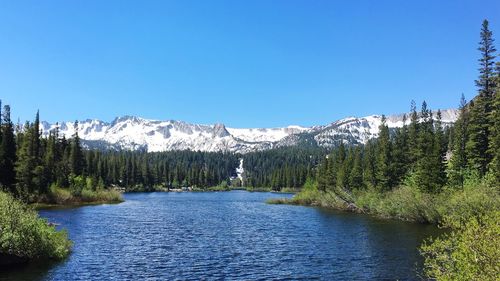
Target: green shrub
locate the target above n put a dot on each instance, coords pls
(24, 234)
(59, 195)
(470, 252)
(476, 199)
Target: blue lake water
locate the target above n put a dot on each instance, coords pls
(228, 236)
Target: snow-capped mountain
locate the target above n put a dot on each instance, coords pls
(135, 133)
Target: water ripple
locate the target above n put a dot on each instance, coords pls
(227, 236)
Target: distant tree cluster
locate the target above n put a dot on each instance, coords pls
(173, 169)
(418, 149)
(281, 167)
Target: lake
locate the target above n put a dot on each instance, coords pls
(228, 235)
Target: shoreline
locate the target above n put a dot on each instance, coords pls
(216, 189)
(47, 206)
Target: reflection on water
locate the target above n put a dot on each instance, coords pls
(228, 235)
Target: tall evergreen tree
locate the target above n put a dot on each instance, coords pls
(400, 157)
(356, 174)
(413, 136)
(477, 146)
(458, 162)
(26, 164)
(384, 157)
(76, 159)
(495, 135)
(424, 175)
(370, 165)
(438, 155)
(7, 151)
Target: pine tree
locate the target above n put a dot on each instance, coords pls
(49, 159)
(36, 137)
(344, 172)
(331, 173)
(424, 176)
(7, 152)
(356, 174)
(26, 165)
(487, 80)
(413, 132)
(438, 155)
(340, 169)
(494, 142)
(370, 165)
(384, 160)
(477, 146)
(400, 157)
(77, 161)
(322, 175)
(458, 162)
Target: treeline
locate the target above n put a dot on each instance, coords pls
(422, 153)
(281, 167)
(173, 169)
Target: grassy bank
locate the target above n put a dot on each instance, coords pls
(24, 236)
(71, 197)
(407, 203)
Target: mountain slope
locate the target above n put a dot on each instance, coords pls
(135, 133)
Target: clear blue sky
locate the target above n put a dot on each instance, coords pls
(243, 63)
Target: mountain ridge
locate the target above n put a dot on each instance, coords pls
(136, 133)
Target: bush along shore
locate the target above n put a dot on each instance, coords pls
(25, 237)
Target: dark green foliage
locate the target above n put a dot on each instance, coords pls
(413, 135)
(486, 82)
(480, 110)
(458, 162)
(400, 156)
(356, 175)
(385, 163)
(175, 169)
(77, 163)
(281, 167)
(7, 151)
(27, 171)
(384, 158)
(369, 164)
(495, 132)
(429, 168)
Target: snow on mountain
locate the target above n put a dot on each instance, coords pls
(135, 133)
(265, 135)
(353, 130)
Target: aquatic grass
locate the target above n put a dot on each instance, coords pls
(63, 196)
